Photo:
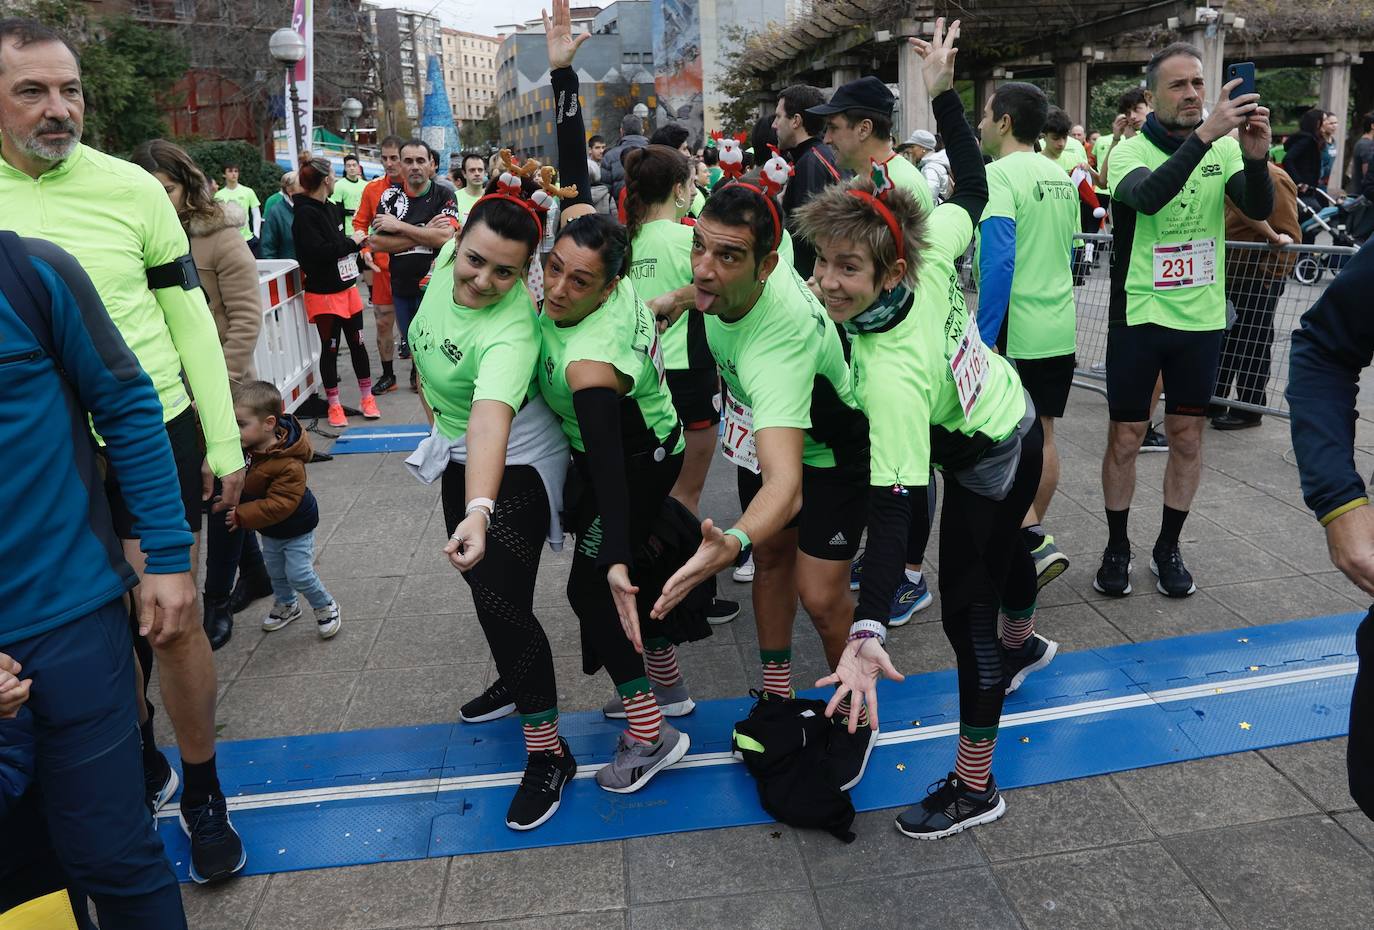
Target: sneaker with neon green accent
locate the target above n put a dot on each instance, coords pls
(1050, 563)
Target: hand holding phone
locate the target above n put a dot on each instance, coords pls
(1245, 71)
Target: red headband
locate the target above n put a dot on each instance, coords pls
(772, 209)
(892, 225)
(529, 208)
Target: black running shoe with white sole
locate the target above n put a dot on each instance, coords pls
(541, 787)
(849, 752)
(159, 784)
(1114, 577)
(1034, 654)
(722, 611)
(1174, 579)
(950, 808)
(217, 851)
(492, 704)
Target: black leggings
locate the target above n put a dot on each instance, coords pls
(604, 643)
(331, 329)
(503, 582)
(984, 565)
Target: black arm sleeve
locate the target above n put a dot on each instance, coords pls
(1252, 190)
(1148, 192)
(572, 137)
(889, 518)
(598, 417)
(965, 158)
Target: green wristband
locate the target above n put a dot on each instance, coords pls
(742, 536)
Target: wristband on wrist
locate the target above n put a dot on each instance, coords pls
(484, 503)
(1344, 509)
(742, 536)
(863, 629)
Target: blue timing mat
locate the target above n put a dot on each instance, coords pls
(402, 438)
(305, 802)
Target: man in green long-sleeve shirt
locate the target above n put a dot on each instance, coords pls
(118, 223)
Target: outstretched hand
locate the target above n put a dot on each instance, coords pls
(862, 661)
(939, 54)
(715, 553)
(563, 45)
(623, 592)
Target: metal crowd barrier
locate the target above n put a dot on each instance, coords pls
(1253, 374)
(288, 349)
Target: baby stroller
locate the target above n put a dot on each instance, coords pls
(1347, 222)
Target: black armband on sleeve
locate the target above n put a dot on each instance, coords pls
(598, 417)
(889, 518)
(179, 273)
(571, 136)
(965, 156)
(1148, 191)
(1252, 190)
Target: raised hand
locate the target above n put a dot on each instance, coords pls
(938, 55)
(563, 45)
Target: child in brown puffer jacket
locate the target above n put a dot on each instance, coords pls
(277, 503)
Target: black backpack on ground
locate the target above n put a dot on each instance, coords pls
(785, 744)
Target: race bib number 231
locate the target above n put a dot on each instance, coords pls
(1185, 264)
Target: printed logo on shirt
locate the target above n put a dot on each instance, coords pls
(1211, 171)
(548, 368)
(454, 354)
(644, 268)
(838, 540)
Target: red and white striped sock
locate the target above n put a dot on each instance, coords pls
(777, 671)
(365, 385)
(661, 664)
(1016, 630)
(844, 709)
(641, 709)
(331, 395)
(541, 732)
(973, 763)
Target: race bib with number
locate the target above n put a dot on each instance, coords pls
(348, 267)
(737, 435)
(1185, 264)
(969, 365)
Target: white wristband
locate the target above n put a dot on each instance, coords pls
(482, 503)
(870, 626)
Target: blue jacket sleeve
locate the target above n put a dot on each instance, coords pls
(996, 264)
(124, 408)
(1332, 345)
(16, 760)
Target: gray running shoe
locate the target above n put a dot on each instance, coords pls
(673, 701)
(635, 763)
(1050, 563)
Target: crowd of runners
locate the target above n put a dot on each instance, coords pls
(581, 355)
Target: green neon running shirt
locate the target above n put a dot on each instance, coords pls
(1103, 146)
(1158, 245)
(908, 177)
(465, 202)
(350, 194)
(904, 383)
(245, 197)
(1073, 155)
(1029, 190)
(621, 333)
(115, 218)
(784, 361)
(662, 252)
(466, 355)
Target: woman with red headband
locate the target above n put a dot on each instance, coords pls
(934, 394)
(502, 459)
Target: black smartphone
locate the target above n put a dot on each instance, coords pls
(1245, 70)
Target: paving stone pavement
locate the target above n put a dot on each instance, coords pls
(1257, 840)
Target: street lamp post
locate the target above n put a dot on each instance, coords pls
(352, 108)
(287, 48)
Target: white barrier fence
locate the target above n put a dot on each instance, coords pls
(288, 350)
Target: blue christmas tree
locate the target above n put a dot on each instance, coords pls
(436, 121)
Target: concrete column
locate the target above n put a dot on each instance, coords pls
(843, 75)
(1071, 89)
(1209, 35)
(1335, 97)
(913, 104)
(984, 86)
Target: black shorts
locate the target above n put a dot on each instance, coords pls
(833, 513)
(1137, 354)
(696, 396)
(1047, 381)
(188, 452)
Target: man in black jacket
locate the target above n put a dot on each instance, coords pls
(612, 166)
(799, 138)
(1330, 349)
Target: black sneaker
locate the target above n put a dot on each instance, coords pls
(159, 783)
(721, 611)
(1174, 579)
(541, 788)
(216, 850)
(951, 808)
(1114, 577)
(253, 585)
(849, 752)
(384, 385)
(492, 704)
(1154, 441)
(1034, 654)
